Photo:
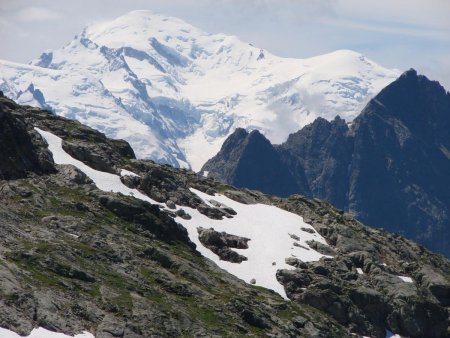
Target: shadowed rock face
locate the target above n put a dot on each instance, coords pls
(390, 167)
(399, 174)
(23, 150)
(249, 160)
(324, 151)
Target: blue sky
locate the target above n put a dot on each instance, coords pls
(394, 33)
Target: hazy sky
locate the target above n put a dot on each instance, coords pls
(394, 33)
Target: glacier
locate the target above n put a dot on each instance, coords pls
(175, 92)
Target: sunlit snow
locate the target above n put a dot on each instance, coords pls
(406, 279)
(275, 233)
(175, 92)
(42, 333)
(124, 172)
(389, 334)
(104, 181)
(269, 229)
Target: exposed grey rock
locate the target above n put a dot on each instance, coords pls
(295, 237)
(241, 196)
(147, 215)
(296, 262)
(221, 243)
(311, 231)
(183, 214)
(417, 318)
(222, 207)
(213, 213)
(171, 205)
(131, 181)
(73, 174)
(239, 164)
(299, 321)
(215, 203)
(322, 248)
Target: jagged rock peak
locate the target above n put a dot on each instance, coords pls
(389, 168)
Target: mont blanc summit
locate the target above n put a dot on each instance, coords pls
(175, 92)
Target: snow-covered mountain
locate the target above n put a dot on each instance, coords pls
(175, 92)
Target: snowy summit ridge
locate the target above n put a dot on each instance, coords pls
(175, 92)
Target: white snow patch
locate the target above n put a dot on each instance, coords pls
(104, 181)
(406, 279)
(359, 270)
(205, 173)
(389, 334)
(268, 228)
(124, 172)
(42, 333)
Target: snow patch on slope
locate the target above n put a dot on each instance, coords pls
(42, 333)
(271, 230)
(406, 279)
(103, 180)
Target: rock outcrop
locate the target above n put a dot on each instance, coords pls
(23, 150)
(222, 244)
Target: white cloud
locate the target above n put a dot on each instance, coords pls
(37, 14)
(430, 13)
(438, 69)
(391, 28)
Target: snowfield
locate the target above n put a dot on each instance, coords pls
(175, 92)
(268, 227)
(42, 333)
(104, 181)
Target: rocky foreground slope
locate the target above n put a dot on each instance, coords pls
(390, 167)
(74, 257)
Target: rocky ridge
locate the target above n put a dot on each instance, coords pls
(76, 258)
